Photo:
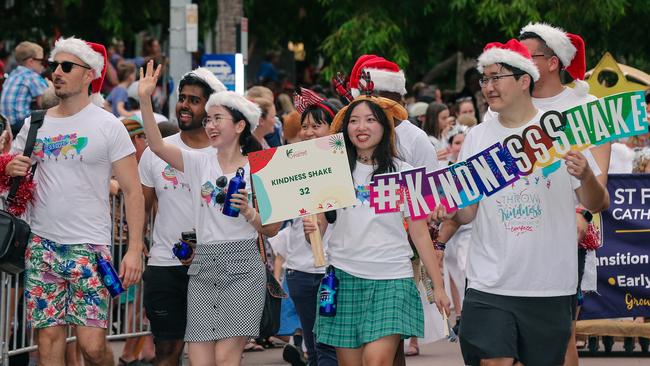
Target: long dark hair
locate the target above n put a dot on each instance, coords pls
(384, 152)
(247, 141)
(431, 125)
(319, 114)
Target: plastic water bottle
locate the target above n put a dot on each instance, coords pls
(109, 276)
(236, 183)
(182, 250)
(329, 288)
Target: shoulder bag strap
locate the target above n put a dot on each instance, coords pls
(36, 122)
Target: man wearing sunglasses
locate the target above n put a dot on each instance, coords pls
(522, 261)
(24, 86)
(165, 279)
(78, 148)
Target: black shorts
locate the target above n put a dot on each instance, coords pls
(531, 330)
(165, 300)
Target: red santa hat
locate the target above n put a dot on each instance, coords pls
(512, 53)
(92, 54)
(385, 75)
(569, 48)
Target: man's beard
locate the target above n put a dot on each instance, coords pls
(195, 124)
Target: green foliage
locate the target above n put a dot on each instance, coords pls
(372, 32)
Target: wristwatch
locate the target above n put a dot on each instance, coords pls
(585, 213)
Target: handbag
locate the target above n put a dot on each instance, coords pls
(270, 323)
(14, 232)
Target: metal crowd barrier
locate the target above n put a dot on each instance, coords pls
(126, 320)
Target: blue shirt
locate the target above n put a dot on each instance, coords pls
(118, 94)
(18, 91)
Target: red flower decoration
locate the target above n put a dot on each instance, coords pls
(37, 291)
(25, 194)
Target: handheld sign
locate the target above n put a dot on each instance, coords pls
(301, 179)
(539, 147)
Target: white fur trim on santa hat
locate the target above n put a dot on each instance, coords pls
(237, 102)
(208, 77)
(555, 38)
(499, 55)
(388, 81)
(81, 49)
(581, 87)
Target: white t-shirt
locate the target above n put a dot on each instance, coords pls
(75, 156)
(622, 159)
(414, 147)
(366, 244)
(568, 98)
(523, 237)
(299, 255)
(175, 213)
(201, 172)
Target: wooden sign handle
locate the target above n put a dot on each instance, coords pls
(317, 244)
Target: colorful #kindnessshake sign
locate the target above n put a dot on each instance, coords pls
(538, 147)
(302, 179)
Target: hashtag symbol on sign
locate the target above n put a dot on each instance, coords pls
(386, 194)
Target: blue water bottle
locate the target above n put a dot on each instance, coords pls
(329, 288)
(109, 276)
(183, 249)
(236, 183)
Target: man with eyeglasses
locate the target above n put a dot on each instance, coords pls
(165, 278)
(78, 147)
(24, 86)
(522, 262)
(554, 50)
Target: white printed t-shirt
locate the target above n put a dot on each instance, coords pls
(299, 254)
(369, 245)
(201, 172)
(570, 98)
(74, 156)
(174, 214)
(524, 236)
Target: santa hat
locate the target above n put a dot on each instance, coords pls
(512, 53)
(232, 100)
(569, 48)
(92, 54)
(385, 75)
(207, 77)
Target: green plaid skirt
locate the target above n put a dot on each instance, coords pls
(367, 310)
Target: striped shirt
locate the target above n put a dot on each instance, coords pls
(21, 87)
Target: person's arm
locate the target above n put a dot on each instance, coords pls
(122, 111)
(419, 233)
(126, 173)
(591, 193)
(240, 200)
(171, 154)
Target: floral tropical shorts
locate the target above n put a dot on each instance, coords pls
(62, 285)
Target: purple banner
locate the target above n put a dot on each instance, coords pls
(624, 259)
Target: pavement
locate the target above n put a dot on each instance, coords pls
(440, 353)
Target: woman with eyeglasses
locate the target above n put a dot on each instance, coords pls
(227, 277)
(378, 302)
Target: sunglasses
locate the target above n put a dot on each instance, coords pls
(221, 182)
(66, 66)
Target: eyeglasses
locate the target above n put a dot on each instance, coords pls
(485, 80)
(540, 55)
(216, 119)
(221, 182)
(66, 66)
